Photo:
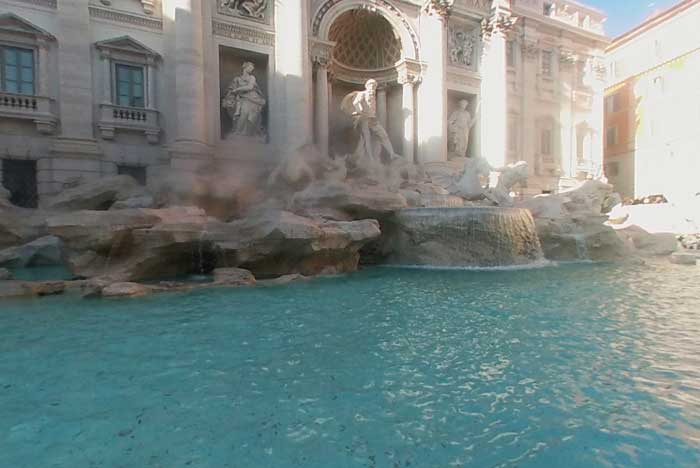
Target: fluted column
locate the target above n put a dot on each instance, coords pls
(432, 94)
(189, 73)
(321, 53)
(409, 76)
(494, 91)
(381, 106)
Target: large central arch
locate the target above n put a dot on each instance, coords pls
(330, 10)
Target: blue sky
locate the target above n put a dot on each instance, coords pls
(623, 15)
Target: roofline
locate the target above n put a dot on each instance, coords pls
(651, 23)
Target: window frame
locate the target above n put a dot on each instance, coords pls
(18, 49)
(116, 65)
(612, 130)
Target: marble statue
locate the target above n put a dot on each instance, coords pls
(469, 185)
(244, 103)
(250, 8)
(362, 107)
(510, 176)
(459, 126)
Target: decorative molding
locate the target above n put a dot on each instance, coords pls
(318, 18)
(53, 4)
(321, 52)
(127, 46)
(242, 33)
(410, 72)
(465, 80)
(127, 18)
(440, 8)
(16, 25)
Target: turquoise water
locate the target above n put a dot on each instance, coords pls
(579, 365)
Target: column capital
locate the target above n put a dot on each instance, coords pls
(439, 8)
(321, 52)
(410, 71)
(500, 22)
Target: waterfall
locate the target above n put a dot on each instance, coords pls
(581, 247)
(464, 237)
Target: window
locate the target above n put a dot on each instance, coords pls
(510, 53)
(611, 136)
(546, 143)
(547, 63)
(137, 172)
(612, 103)
(19, 177)
(130, 85)
(16, 70)
(548, 9)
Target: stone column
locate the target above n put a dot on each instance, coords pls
(322, 109)
(381, 106)
(597, 85)
(189, 77)
(432, 94)
(494, 91)
(409, 76)
(293, 126)
(530, 138)
(321, 53)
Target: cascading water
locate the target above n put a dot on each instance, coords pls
(463, 237)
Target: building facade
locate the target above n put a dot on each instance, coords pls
(652, 109)
(98, 87)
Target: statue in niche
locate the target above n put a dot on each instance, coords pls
(461, 47)
(362, 107)
(244, 103)
(459, 126)
(251, 8)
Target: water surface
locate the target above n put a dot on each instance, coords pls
(578, 365)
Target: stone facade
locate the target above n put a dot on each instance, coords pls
(652, 114)
(136, 86)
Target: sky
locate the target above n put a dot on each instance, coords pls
(624, 15)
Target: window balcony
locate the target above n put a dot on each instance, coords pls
(134, 119)
(38, 109)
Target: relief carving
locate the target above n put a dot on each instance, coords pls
(462, 45)
(258, 10)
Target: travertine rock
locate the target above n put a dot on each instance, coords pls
(684, 259)
(360, 201)
(99, 194)
(234, 277)
(43, 251)
(125, 290)
(5, 274)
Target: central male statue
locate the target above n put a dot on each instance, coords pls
(362, 106)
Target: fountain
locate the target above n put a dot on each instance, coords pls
(475, 236)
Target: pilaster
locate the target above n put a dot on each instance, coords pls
(432, 93)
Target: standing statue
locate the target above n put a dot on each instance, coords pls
(244, 103)
(362, 107)
(460, 125)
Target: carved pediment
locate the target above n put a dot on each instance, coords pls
(126, 45)
(13, 24)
